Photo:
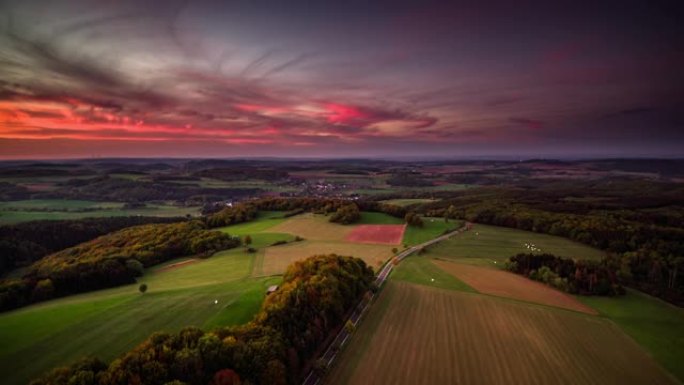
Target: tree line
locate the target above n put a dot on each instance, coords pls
(342, 210)
(110, 260)
(583, 277)
(276, 347)
(24, 243)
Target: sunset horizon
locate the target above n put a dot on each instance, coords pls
(217, 79)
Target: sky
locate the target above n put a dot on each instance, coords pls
(130, 78)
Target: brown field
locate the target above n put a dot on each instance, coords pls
(380, 234)
(276, 259)
(505, 284)
(313, 227)
(421, 335)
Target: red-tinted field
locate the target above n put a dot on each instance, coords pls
(382, 234)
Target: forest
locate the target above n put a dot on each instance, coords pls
(24, 243)
(276, 347)
(583, 277)
(111, 260)
(107, 188)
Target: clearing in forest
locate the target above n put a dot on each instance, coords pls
(421, 335)
(506, 284)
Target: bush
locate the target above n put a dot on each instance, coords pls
(136, 267)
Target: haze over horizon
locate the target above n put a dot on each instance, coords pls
(81, 79)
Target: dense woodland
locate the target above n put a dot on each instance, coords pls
(106, 188)
(111, 260)
(24, 243)
(583, 277)
(274, 348)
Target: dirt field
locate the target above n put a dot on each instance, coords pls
(313, 227)
(420, 335)
(504, 284)
(380, 234)
(276, 259)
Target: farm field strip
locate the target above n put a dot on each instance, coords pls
(57, 209)
(377, 234)
(276, 259)
(313, 227)
(420, 335)
(505, 284)
(408, 202)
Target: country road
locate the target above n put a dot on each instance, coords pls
(343, 335)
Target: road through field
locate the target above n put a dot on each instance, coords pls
(331, 353)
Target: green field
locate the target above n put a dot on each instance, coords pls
(422, 271)
(109, 322)
(488, 244)
(432, 228)
(263, 221)
(654, 324)
(373, 218)
(55, 209)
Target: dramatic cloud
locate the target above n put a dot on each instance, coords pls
(213, 78)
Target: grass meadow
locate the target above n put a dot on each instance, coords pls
(485, 245)
(55, 209)
(109, 322)
(654, 324)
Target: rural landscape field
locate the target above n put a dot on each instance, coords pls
(398, 192)
(462, 295)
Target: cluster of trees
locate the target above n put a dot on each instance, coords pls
(578, 277)
(231, 215)
(24, 243)
(110, 260)
(243, 172)
(274, 348)
(325, 205)
(106, 188)
(346, 214)
(413, 219)
(343, 211)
